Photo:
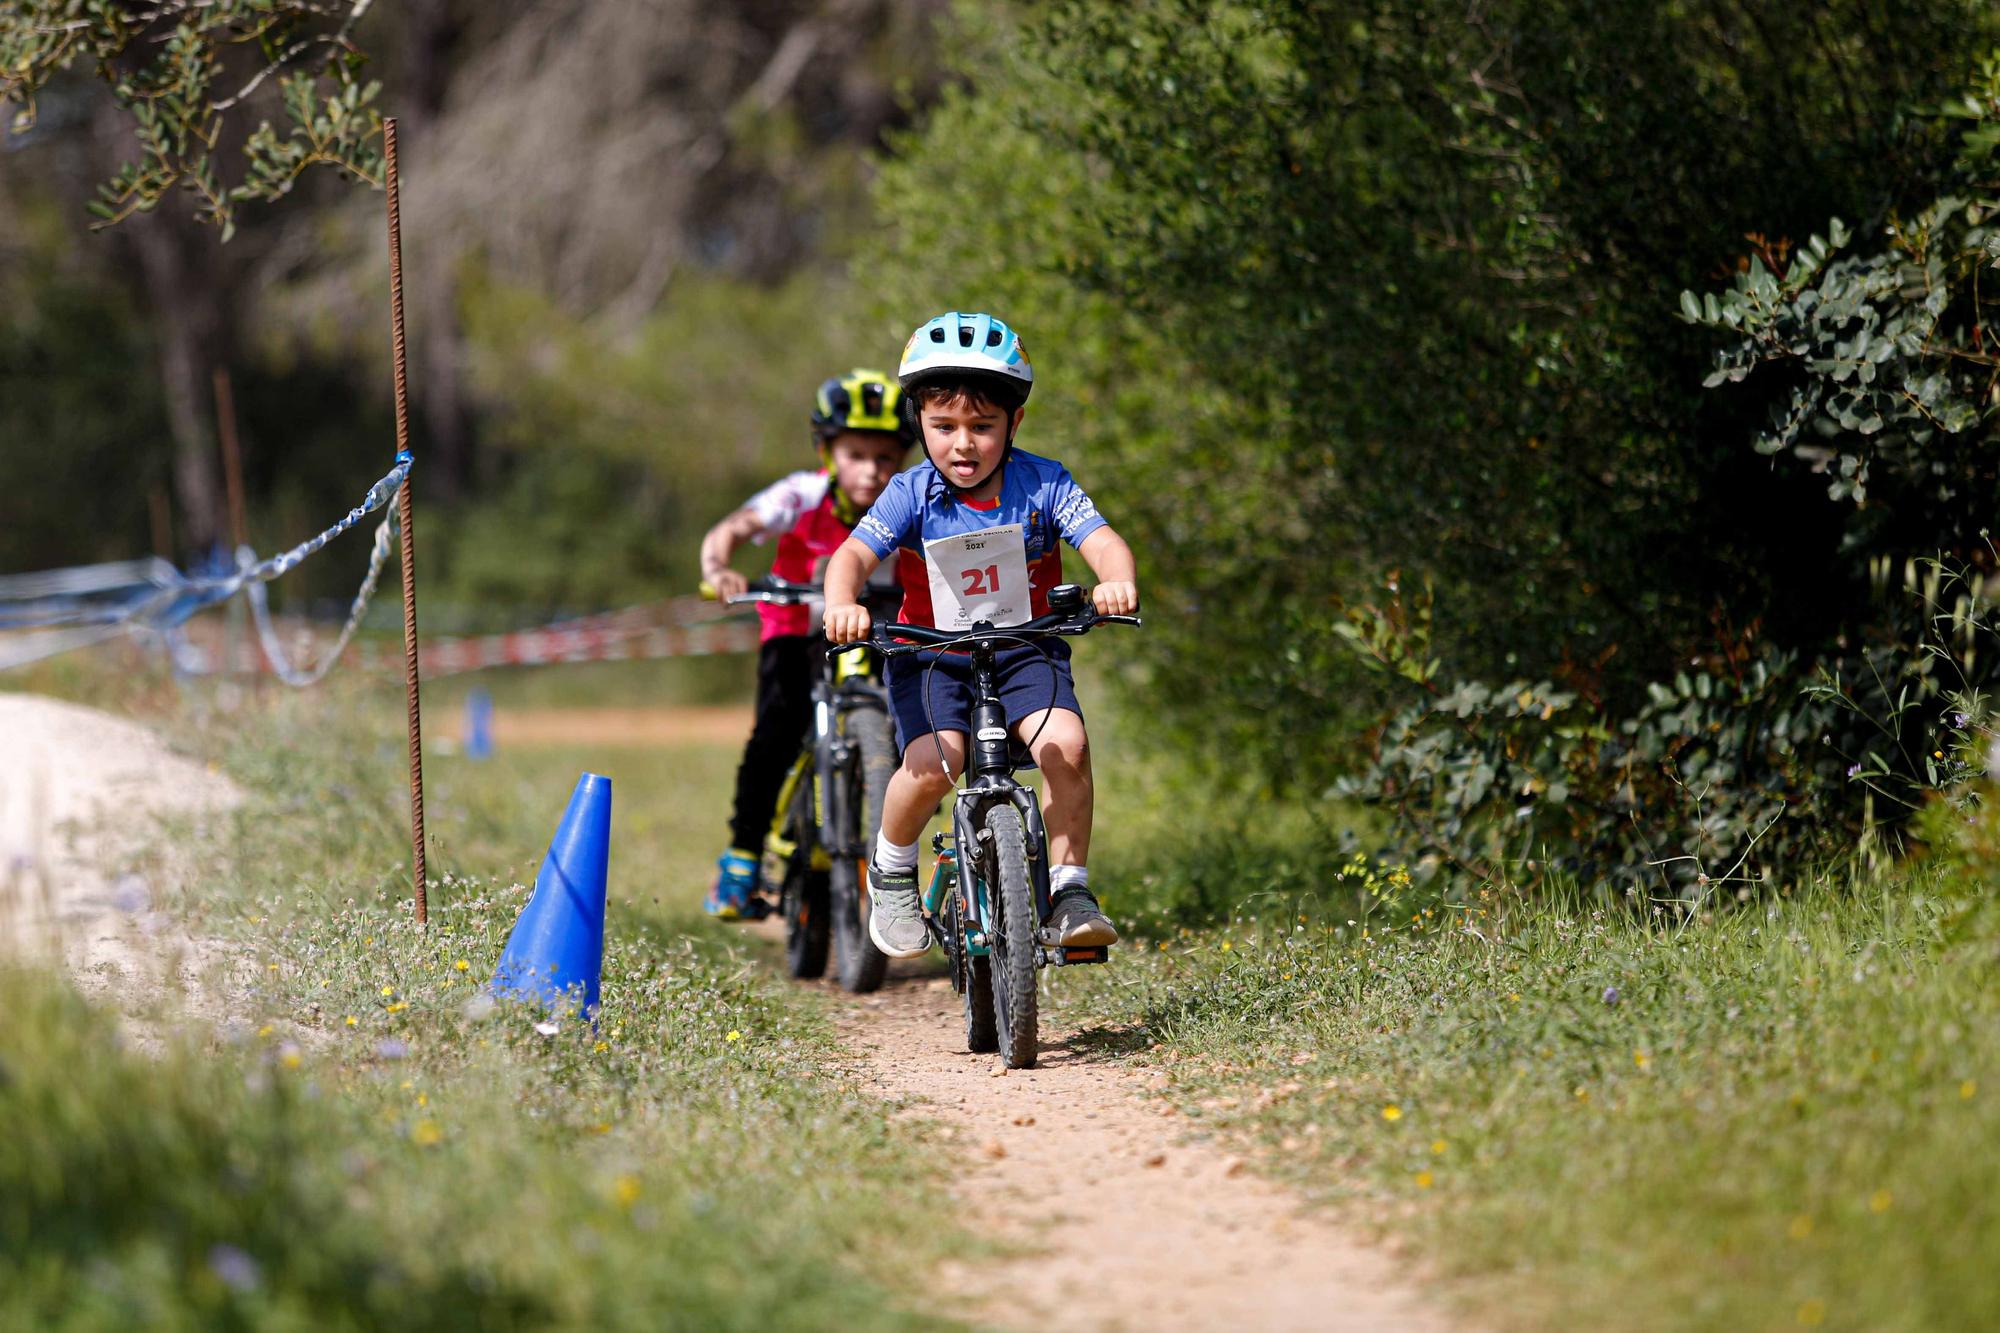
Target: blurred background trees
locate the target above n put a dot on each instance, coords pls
(1365, 320)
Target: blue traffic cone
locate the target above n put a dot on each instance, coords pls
(557, 948)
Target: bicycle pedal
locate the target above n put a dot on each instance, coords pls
(1058, 956)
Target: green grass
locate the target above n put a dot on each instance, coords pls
(364, 1139)
(1771, 1116)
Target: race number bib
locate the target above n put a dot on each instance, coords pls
(979, 576)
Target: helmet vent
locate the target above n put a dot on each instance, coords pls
(871, 399)
(937, 335)
(965, 335)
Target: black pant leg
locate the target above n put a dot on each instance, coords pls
(784, 709)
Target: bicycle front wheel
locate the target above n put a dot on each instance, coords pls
(862, 965)
(1012, 942)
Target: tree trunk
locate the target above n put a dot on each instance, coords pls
(438, 383)
(178, 265)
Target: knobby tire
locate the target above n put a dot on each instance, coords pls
(1012, 941)
(862, 965)
(808, 923)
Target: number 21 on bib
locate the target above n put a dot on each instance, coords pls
(979, 576)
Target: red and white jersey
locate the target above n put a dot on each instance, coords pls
(801, 513)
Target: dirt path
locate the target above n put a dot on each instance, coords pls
(84, 873)
(1165, 1234)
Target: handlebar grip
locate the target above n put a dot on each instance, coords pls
(708, 592)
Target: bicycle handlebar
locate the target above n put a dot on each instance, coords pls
(786, 592)
(899, 640)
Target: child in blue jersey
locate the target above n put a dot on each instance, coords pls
(973, 530)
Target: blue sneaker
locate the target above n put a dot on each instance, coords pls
(734, 894)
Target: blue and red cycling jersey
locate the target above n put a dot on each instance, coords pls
(919, 506)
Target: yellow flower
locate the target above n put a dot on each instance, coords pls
(1812, 1314)
(1392, 1113)
(425, 1133)
(399, 1006)
(1225, 946)
(423, 1099)
(1641, 1059)
(1801, 1227)
(274, 967)
(1967, 1089)
(1424, 1180)
(601, 1047)
(625, 1190)
(734, 1035)
(1438, 1146)
(1582, 1093)
(1879, 1201)
(388, 990)
(290, 1058)
(352, 1021)
(264, 1031)
(462, 965)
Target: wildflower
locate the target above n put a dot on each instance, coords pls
(234, 1268)
(290, 1056)
(1641, 1059)
(1392, 1113)
(1225, 946)
(1880, 1201)
(1854, 770)
(462, 965)
(423, 1099)
(734, 1035)
(1801, 1227)
(352, 1021)
(1582, 1093)
(1813, 1313)
(1959, 720)
(388, 990)
(625, 1190)
(264, 1031)
(399, 1006)
(1438, 1147)
(1424, 1180)
(1967, 1089)
(1611, 995)
(425, 1134)
(601, 1047)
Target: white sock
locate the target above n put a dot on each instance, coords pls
(891, 856)
(1068, 877)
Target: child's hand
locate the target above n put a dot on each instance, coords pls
(845, 624)
(726, 582)
(1115, 599)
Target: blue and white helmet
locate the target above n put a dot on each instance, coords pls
(960, 344)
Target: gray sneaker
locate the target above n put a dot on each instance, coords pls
(897, 922)
(1076, 921)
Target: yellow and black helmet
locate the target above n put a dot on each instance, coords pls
(859, 400)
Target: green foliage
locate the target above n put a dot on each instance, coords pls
(163, 65)
(1759, 1118)
(1326, 287)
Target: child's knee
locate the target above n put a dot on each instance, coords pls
(1063, 749)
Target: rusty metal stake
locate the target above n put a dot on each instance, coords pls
(403, 516)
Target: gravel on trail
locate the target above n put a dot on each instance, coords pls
(1129, 1221)
(85, 874)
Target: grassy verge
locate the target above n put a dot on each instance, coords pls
(370, 1140)
(1771, 1116)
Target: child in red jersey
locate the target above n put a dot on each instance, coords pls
(863, 441)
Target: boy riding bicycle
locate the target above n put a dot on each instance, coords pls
(862, 440)
(974, 530)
